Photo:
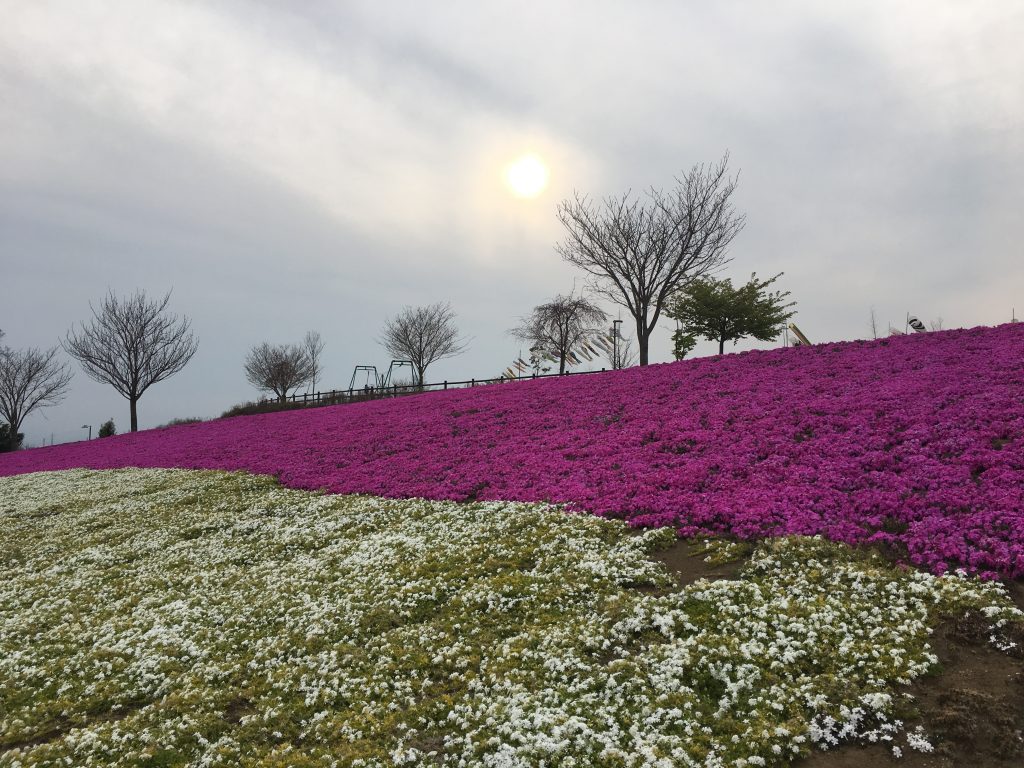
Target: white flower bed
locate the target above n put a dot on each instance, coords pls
(168, 617)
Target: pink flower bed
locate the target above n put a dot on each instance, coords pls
(916, 442)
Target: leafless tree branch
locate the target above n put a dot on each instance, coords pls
(132, 344)
(314, 347)
(29, 379)
(560, 327)
(423, 335)
(638, 252)
(621, 354)
(278, 368)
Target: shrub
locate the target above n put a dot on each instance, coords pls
(179, 422)
(9, 442)
(107, 428)
(261, 406)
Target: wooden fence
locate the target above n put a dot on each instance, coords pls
(338, 396)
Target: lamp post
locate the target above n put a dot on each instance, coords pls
(89, 427)
(615, 342)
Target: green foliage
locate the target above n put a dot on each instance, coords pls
(715, 310)
(107, 428)
(682, 343)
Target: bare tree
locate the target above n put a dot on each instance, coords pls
(560, 327)
(620, 353)
(422, 335)
(30, 379)
(314, 347)
(873, 324)
(132, 344)
(638, 252)
(936, 325)
(278, 368)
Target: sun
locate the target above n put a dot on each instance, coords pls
(527, 176)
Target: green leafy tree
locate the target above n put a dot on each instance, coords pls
(682, 343)
(107, 428)
(715, 310)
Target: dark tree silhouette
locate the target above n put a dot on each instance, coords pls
(715, 310)
(30, 379)
(132, 344)
(620, 354)
(639, 252)
(278, 368)
(314, 347)
(422, 335)
(560, 327)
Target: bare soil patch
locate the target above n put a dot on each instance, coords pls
(972, 709)
(687, 563)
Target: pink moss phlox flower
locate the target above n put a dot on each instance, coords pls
(915, 442)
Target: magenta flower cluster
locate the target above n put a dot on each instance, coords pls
(916, 443)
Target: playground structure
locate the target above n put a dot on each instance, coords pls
(372, 379)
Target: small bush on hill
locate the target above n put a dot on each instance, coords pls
(107, 429)
(179, 422)
(9, 442)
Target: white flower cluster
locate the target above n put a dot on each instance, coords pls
(155, 617)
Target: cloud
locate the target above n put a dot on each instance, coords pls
(314, 165)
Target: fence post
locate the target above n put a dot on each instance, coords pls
(446, 383)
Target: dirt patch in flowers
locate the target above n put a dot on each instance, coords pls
(1016, 590)
(688, 561)
(972, 710)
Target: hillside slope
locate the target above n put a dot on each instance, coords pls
(916, 442)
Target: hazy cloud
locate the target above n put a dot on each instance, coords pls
(296, 166)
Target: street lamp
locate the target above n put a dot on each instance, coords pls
(89, 427)
(615, 341)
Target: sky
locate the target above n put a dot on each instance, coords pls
(285, 167)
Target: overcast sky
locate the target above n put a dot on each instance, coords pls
(295, 166)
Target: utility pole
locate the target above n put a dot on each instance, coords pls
(615, 341)
(89, 427)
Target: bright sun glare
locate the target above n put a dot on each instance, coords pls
(527, 176)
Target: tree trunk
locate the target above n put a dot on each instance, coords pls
(561, 365)
(721, 346)
(642, 338)
(133, 405)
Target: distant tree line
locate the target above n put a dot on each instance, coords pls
(655, 255)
